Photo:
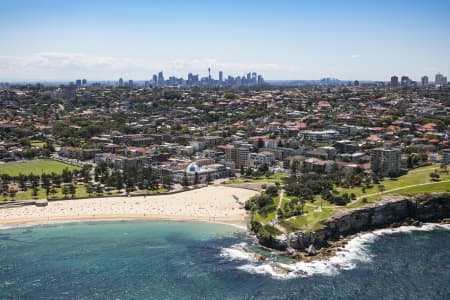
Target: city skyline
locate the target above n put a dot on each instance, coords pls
(284, 40)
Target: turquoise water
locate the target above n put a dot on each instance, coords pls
(184, 260)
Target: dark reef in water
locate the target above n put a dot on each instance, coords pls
(390, 211)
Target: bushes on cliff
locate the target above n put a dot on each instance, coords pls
(263, 202)
(264, 231)
(258, 201)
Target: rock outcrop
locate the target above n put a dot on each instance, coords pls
(389, 211)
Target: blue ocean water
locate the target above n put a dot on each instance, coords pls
(189, 260)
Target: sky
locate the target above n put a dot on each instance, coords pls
(57, 40)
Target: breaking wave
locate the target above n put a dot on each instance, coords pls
(356, 250)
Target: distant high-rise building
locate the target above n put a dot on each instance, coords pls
(260, 80)
(154, 79)
(78, 82)
(209, 74)
(130, 83)
(405, 81)
(385, 162)
(120, 82)
(220, 76)
(84, 82)
(394, 81)
(356, 83)
(160, 78)
(70, 92)
(440, 79)
(424, 80)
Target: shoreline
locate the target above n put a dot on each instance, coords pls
(214, 204)
(35, 221)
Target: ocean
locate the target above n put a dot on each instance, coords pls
(194, 260)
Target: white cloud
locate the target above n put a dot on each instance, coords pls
(67, 66)
(60, 65)
(354, 56)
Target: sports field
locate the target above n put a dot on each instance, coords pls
(36, 167)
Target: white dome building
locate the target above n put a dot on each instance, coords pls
(192, 168)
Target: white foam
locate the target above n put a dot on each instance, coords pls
(356, 250)
(238, 252)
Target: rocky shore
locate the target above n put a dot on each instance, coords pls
(391, 211)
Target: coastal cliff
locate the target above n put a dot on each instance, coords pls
(389, 211)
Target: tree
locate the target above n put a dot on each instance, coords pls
(99, 190)
(72, 190)
(65, 191)
(89, 189)
(435, 175)
(272, 191)
(35, 192)
(53, 191)
(67, 175)
(85, 173)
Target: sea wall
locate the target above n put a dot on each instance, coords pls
(389, 211)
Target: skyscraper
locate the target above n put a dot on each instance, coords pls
(440, 79)
(120, 82)
(405, 81)
(260, 80)
(394, 81)
(424, 80)
(220, 76)
(160, 78)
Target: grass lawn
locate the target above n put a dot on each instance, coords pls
(150, 192)
(276, 177)
(36, 167)
(417, 176)
(37, 143)
(312, 220)
(80, 193)
(266, 219)
(309, 222)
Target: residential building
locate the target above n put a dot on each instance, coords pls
(385, 162)
(238, 155)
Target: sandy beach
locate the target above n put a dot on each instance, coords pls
(212, 204)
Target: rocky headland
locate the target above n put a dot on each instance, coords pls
(391, 211)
